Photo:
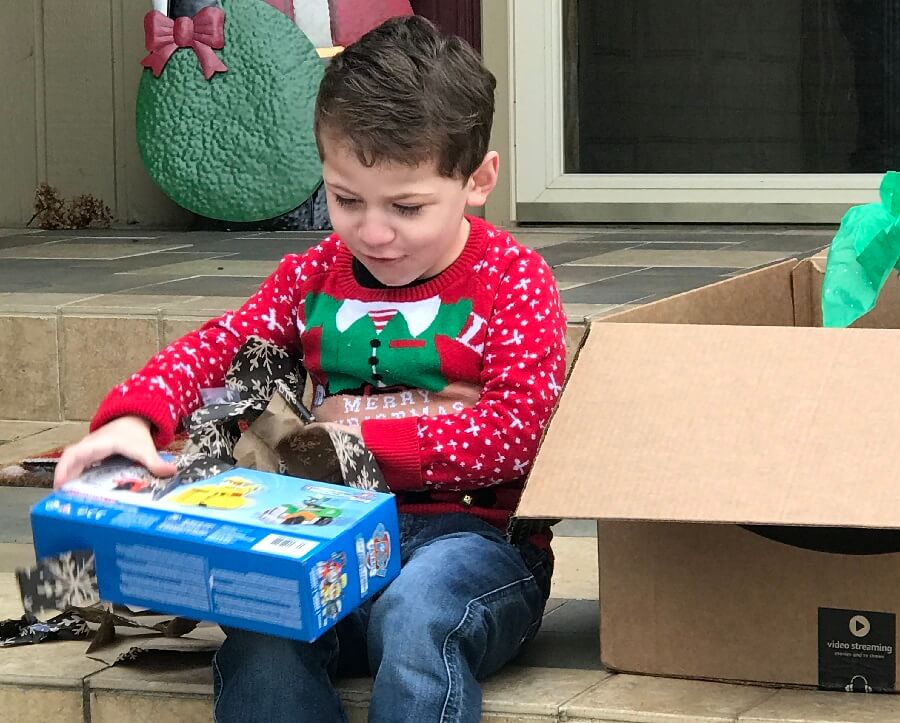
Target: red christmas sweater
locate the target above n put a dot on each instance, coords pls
(451, 381)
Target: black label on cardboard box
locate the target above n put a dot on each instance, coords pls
(857, 650)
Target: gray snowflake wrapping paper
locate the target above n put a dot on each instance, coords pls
(268, 427)
(256, 421)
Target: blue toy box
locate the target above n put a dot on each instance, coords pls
(247, 549)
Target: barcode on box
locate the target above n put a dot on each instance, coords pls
(281, 545)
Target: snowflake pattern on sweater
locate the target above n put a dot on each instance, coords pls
(452, 380)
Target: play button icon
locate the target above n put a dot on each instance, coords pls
(859, 626)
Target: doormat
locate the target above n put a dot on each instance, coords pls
(37, 470)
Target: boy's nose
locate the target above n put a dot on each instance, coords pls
(374, 232)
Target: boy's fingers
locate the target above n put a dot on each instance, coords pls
(157, 465)
(71, 464)
(65, 470)
(80, 456)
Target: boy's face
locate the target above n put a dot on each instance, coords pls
(401, 222)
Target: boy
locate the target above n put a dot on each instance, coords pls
(436, 338)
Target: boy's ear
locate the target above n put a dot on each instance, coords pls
(483, 180)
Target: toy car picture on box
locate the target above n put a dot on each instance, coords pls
(244, 548)
(236, 496)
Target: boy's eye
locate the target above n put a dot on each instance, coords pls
(407, 210)
(345, 202)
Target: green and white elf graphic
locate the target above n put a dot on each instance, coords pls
(386, 343)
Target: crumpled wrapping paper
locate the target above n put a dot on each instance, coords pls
(258, 421)
(268, 428)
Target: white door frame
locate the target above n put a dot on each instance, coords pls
(544, 192)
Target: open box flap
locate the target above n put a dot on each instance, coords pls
(725, 424)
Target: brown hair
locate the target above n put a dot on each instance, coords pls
(405, 93)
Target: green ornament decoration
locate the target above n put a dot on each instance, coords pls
(225, 110)
(864, 252)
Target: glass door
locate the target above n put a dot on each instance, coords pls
(704, 110)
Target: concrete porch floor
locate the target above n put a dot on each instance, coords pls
(73, 280)
(557, 678)
(200, 273)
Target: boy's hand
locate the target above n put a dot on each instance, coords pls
(127, 436)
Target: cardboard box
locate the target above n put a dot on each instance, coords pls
(247, 549)
(735, 456)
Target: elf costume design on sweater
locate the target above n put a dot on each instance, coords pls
(451, 381)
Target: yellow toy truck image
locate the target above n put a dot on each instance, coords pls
(231, 494)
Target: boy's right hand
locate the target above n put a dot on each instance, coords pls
(128, 436)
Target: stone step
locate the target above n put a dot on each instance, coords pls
(56, 683)
(75, 355)
(551, 682)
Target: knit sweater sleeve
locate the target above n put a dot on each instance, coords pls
(168, 387)
(496, 440)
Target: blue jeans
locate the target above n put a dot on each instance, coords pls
(464, 603)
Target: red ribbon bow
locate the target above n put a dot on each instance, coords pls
(203, 32)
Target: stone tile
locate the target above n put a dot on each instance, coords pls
(552, 604)
(15, 511)
(234, 286)
(578, 250)
(118, 707)
(84, 250)
(12, 429)
(173, 674)
(30, 303)
(545, 239)
(312, 237)
(175, 327)
(515, 694)
(131, 265)
(199, 238)
(98, 352)
(265, 248)
(535, 691)
(13, 556)
(57, 436)
(243, 268)
(10, 600)
(62, 277)
(645, 256)
(124, 303)
(813, 706)
(29, 386)
(58, 664)
(644, 284)
(674, 245)
(789, 243)
(579, 313)
(561, 650)
(45, 704)
(575, 573)
(566, 285)
(575, 617)
(588, 274)
(12, 232)
(575, 528)
(619, 308)
(68, 236)
(663, 700)
(12, 242)
(209, 306)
